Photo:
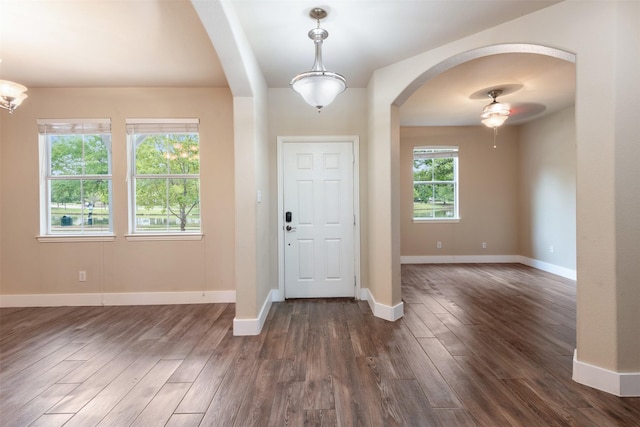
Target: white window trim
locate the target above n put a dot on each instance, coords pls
(175, 235)
(439, 220)
(45, 235)
(454, 152)
(75, 238)
(132, 234)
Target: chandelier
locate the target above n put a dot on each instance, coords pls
(11, 95)
(318, 87)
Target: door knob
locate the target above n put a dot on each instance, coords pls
(290, 228)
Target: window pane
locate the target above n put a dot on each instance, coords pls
(168, 201)
(433, 201)
(96, 154)
(66, 154)
(444, 195)
(79, 206)
(184, 154)
(443, 169)
(151, 205)
(422, 192)
(65, 212)
(423, 169)
(184, 199)
(152, 154)
(96, 205)
(180, 212)
(69, 152)
(167, 154)
(423, 201)
(435, 182)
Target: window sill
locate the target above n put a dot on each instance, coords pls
(435, 220)
(141, 237)
(78, 238)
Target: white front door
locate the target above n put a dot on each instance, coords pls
(318, 214)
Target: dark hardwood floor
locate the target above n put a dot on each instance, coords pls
(480, 345)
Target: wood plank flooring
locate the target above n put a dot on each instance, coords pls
(480, 345)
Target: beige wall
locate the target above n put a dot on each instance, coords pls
(548, 189)
(1, 192)
(627, 195)
(266, 232)
(246, 210)
(518, 198)
(30, 267)
(250, 125)
(488, 193)
(383, 216)
(289, 115)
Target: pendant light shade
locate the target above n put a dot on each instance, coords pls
(496, 113)
(11, 95)
(318, 87)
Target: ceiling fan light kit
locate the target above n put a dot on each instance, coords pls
(11, 95)
(496, 113)
(318, 87)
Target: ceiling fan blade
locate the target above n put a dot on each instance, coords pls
(525, 111)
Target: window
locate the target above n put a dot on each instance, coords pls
(75, 177)
(435, 183)
(165, 176)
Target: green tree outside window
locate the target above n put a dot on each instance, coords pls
(167, 182)
(434, 182)
(79, 182)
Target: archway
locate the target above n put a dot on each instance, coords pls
(607, 355)
(479, 53)
(597, 363)
(509, 223)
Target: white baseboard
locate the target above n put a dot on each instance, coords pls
(243, 327)
(619, 384)
(382, 311)
(276, 296)
(480, 259)
(549, 268)
(458, 259)
(124, 298)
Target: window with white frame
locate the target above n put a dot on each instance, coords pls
(435, 183)
(164, 175)
(75, 176)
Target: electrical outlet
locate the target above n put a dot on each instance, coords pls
(551, 249)
(484, 245)
(439, 245)
(82, 276)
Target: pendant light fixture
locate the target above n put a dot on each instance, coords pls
(495, 114)
(11, 95)
(318, 87)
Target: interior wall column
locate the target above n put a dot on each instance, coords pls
(608, 305)
(384, 207)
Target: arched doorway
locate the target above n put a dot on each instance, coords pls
(526, 212)
(604, 132)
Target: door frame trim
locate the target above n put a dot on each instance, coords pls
(354, 140)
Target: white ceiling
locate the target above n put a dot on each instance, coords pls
(156, 43)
